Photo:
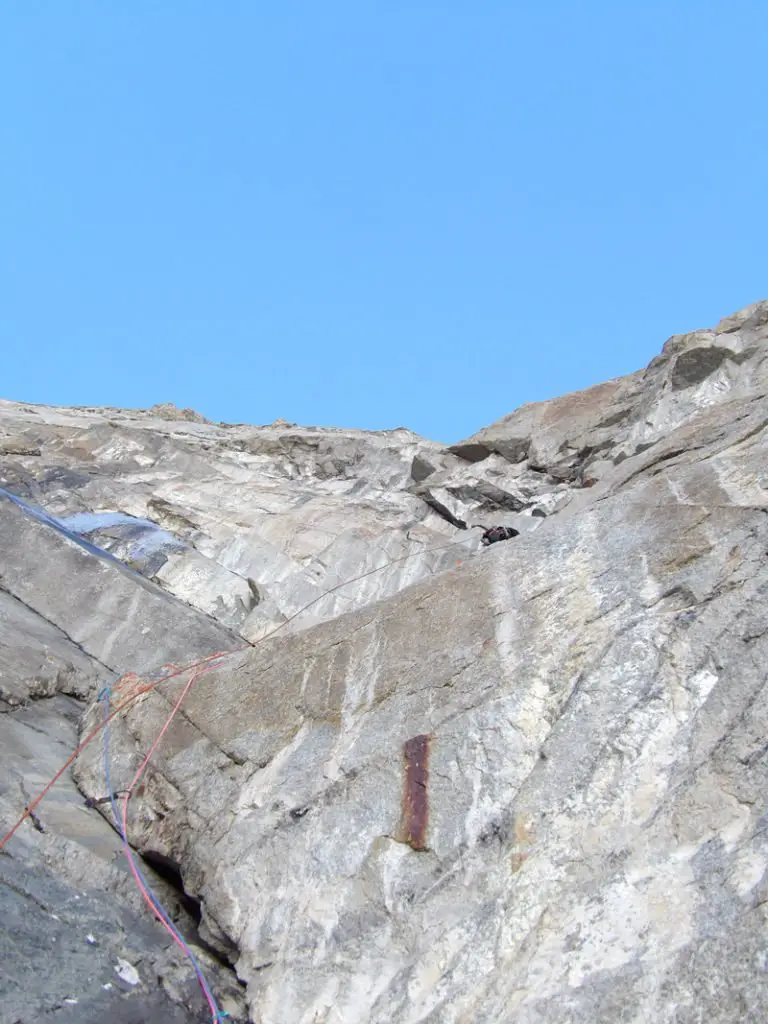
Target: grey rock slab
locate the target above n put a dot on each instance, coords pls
(223, 595)
(247, 503)
(526, 783)
(616, 419)
(38, 660)
(115, 616)
(71, 914)
(592, 698)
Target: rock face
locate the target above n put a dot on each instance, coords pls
(245, 524)
(527, 783)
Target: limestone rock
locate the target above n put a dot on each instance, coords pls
(69, 907)
(118, 617)
(521, 784)
(37, 659)
(169, 411)
(567, 437)
(17, 446)
(594, 704)
(203, 509)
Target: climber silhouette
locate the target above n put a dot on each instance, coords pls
(493, 534)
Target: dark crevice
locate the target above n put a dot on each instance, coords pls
(488, 495)
(169, 871)
(471, 451)
(441, 510)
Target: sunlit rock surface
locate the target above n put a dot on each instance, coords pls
(525, 783)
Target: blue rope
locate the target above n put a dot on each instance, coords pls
(219, 1015)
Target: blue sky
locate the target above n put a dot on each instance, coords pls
(371, 214)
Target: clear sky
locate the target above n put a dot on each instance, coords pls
(371, 213)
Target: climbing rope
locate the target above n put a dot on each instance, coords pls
(196, 669)
(144, 887)
(122, 706)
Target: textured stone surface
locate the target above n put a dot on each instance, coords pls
(117, 617)
(38, 660)
(579, 436)
(247, 524)
(70, 621)
(69, 908)
(530, 787)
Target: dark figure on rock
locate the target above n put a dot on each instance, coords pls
(493, 534)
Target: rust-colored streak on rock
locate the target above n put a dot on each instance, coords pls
(415, 796)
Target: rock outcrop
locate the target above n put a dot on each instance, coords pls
(527, 783)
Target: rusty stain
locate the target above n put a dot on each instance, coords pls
(415, 794)
(523, 843)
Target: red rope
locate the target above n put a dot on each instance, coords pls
(99, 728)
(146, 895)
(202, 663)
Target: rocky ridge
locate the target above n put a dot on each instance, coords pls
(529, 786)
